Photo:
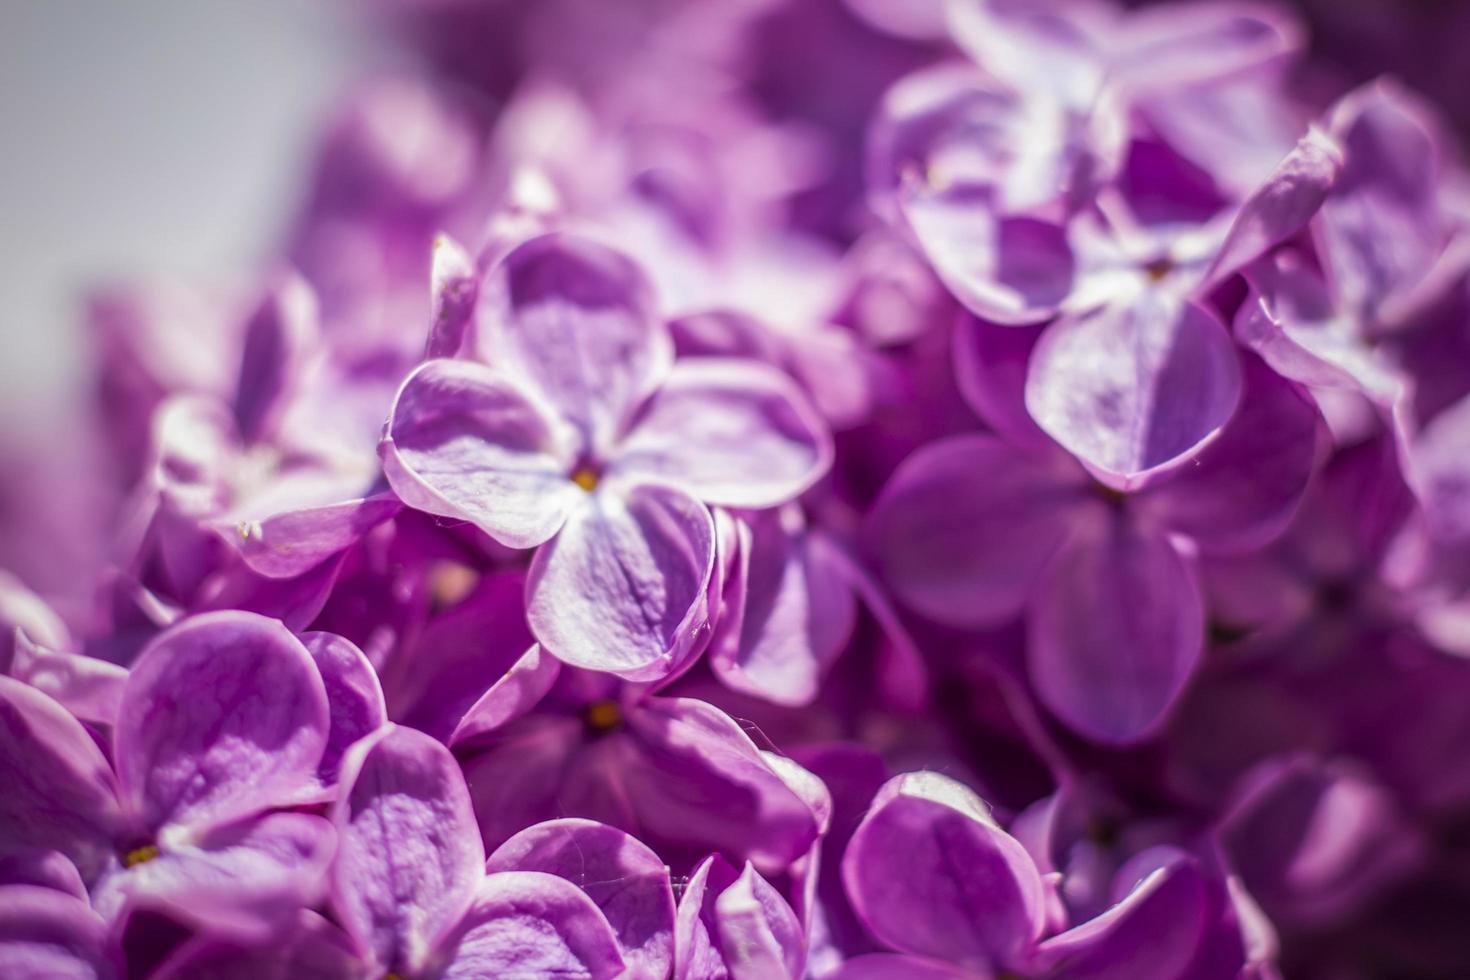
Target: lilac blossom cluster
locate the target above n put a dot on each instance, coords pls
(857, 489)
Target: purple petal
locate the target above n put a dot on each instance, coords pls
(1116, 629)
(242, 881)
(698, 780)
(529, 924)
(91, 689)
(737, 926)
(1382, 230)
(47, 935)
(1134, 387)
(409, 854)
(518, 691)
(44, 869)
(59, 790)
(290, 542)
(224, 715)
(1245, 487)
(731, 432)
(1289, 319)
(577, 320)
(463, 441)
(622, 588)
(21, 609)
(990, 368)
(930, 873)
(966, 524)
(896, 966)
(1152, 934)
(1440, 473)
(627, 881)
(522, 777)
(1280, 207)
(277, 337)
(315, 949)
(797, 614)
(354, 699)
(454, 287)
(1205, 43)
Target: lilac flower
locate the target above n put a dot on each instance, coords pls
(932, 875)
(223, 720)
(580, 437)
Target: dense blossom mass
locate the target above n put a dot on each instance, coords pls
(853, 489)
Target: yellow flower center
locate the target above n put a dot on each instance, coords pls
(450, 582)
(586, 478)
(140, 855)
(603, 716)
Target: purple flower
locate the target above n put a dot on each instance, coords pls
(223, 722)
(974, 530)
(582, 438)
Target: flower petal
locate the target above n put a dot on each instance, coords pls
(91, 689)
(1245, 487)
(966, 524)
(463, 441)
(529, 924)
(512, 696)
(278, 335)
(735, 925)
(930, 873)
(627, 881)
(47, 934)
(242, 881)
(1116, 629)
(578, 321)
(354, 699)
(797, 612)
(698, 780)
(315, 949)
(224, 715)
(59, 791)
(1135, 386)
(287, 543)
(409, 854)
(731, 432)
(622, 588)
(896, 966)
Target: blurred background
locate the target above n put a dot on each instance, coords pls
(164, 138)
(152, 137)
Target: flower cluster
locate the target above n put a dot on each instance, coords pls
(858, 489)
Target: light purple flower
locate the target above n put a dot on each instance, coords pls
(580, 438)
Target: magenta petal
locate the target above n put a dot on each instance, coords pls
(278, 336)
(1169, 47)
(736, 926)
(354, 699)
(1152, 934)
(931, 873)
(623, 587)
(91, 689)
(44, 869)
(292, 542)
(1135, 386)
(896, 966)
(47, 935)
(515, 693)
(409, 854)
(627, 881)
(59, 791)
(1245, 487)
(731, 432)
(1281, 206)
(699, 780)
(1116, 629)
(463, 441)
(797, 616)
(242, 881)
(990, 363)
(314, 949)
(454, 286)
(530, 924)
(224, 715)
(965, 525)
(1381, 231)
(577, 321)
